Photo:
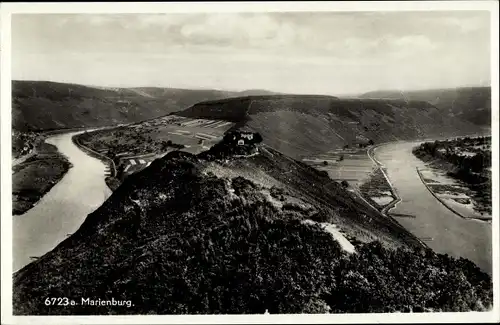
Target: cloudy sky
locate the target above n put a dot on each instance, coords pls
(328, 53)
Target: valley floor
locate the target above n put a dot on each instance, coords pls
(357, 168)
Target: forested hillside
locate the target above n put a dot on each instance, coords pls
(220, 233)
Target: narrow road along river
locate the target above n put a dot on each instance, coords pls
(63, 209)
(450, 233)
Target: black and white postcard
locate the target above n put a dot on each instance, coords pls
(281, 162)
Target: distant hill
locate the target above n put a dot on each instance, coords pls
(472, 104)
(42, 105)
(294, 124)
(304, 124)
(256, 92)
(216, 234)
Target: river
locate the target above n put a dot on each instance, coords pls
(449, 233)
(63, 209)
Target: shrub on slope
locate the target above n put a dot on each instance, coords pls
(377, 279)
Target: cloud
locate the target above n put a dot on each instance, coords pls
(237, 29)
(416, 42)
(352, 46)
(466, 25)
(162, 21)
(339, 34)
(62, 20)
(410, 46)
(387, 46)
(348, 50)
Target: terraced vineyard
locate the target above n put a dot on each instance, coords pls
(351, 165)
(134, 147)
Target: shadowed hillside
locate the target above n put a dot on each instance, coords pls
(471, 104)
(42, 105)
(304, 124)
(243, 231)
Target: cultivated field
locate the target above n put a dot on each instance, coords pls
(378, 190)
(351, 165)
(134, 147)
(356, 168)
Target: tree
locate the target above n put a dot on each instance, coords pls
(325, 163)
(257, 138)
(341, 157)
(323, 173)
(370, 142)
(164, 145)
(344, 184)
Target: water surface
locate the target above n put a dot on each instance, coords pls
(63, 209)
(441, 229)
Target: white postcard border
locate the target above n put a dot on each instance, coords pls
(7, 9)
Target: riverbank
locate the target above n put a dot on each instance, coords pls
(440, 229)
(36, 175)
(62, 209)
(377, 190)
(24, 143)
(462, 169)
(463, 201)
(38, 170)
(394, 193)
(111, 181)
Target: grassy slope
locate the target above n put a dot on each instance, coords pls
(301, 125)
(472, 103)
(201, 243)
(305, 182)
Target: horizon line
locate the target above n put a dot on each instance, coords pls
(278, 92)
